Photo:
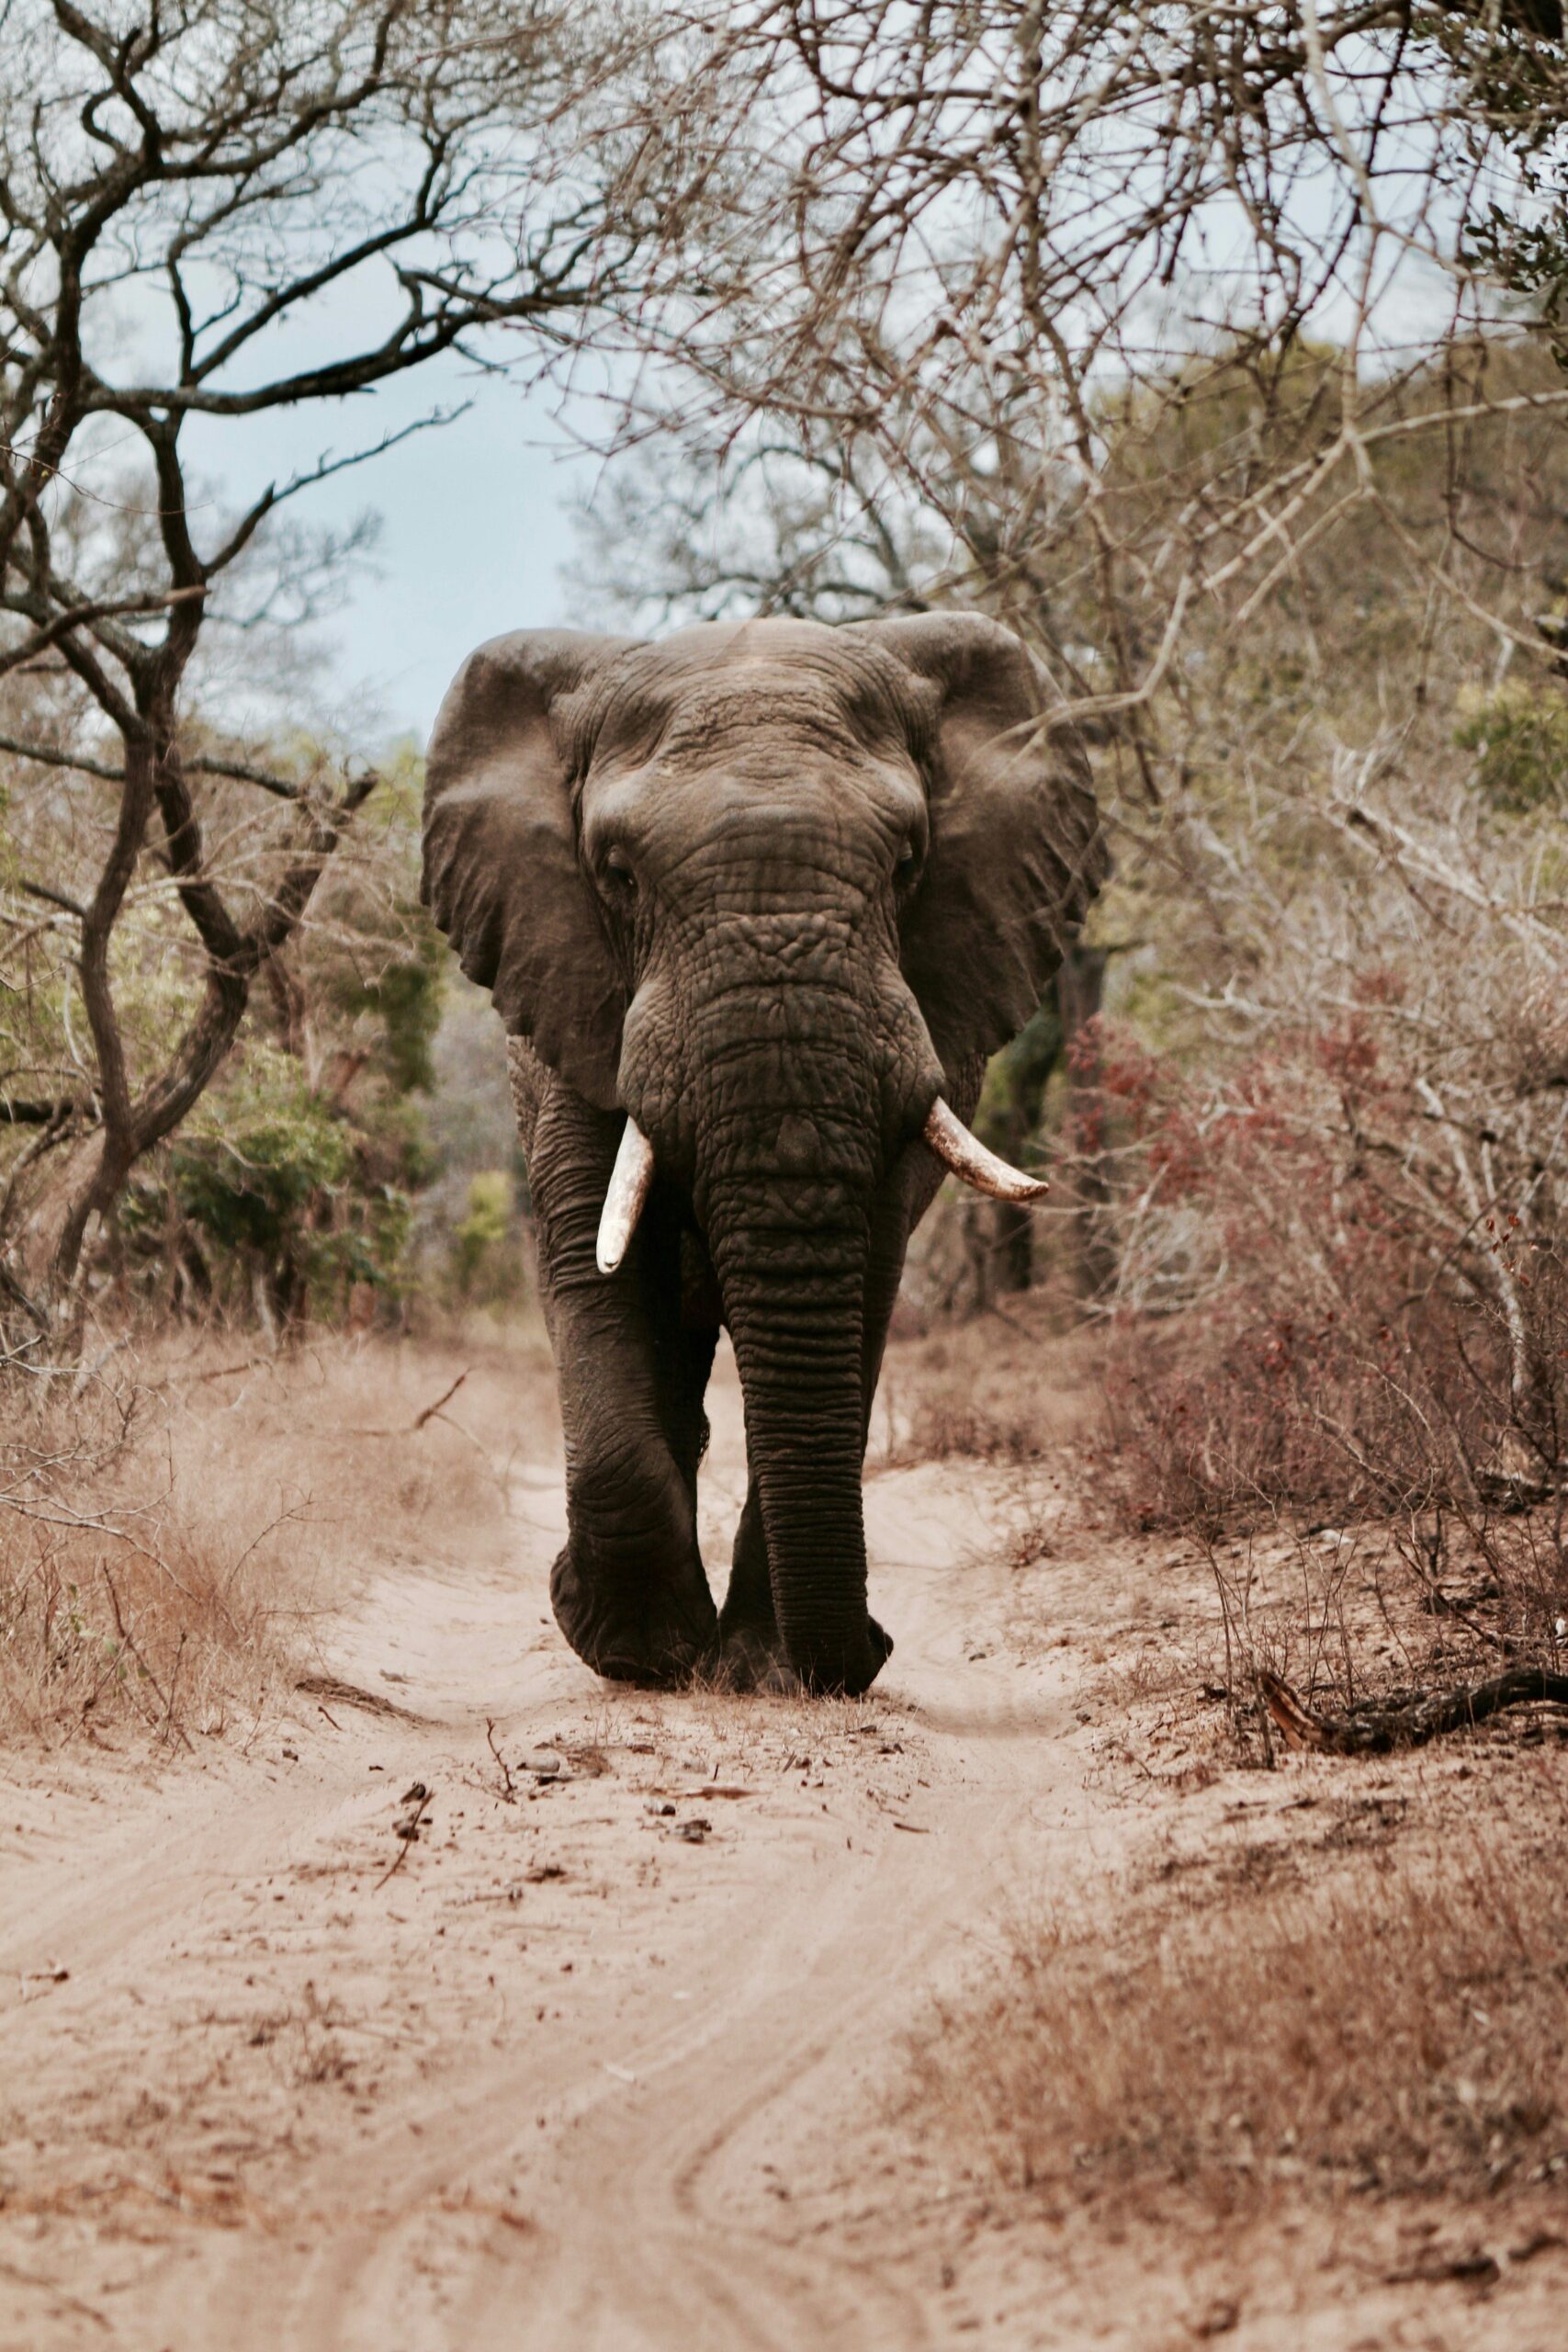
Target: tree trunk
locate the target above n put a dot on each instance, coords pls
(1080, 988)
(51, 1225)
(46, 1230)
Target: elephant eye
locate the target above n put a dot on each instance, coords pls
(904, 865)
(618, 873)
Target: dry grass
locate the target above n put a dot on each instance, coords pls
(1379, 1613)
(1393, 2025)
(169, 1535)
(1403, 1600)
(998, 1389)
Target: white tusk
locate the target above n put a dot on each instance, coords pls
(623, 1202)
(967, 1157)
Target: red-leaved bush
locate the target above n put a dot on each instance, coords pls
(1363, 1283)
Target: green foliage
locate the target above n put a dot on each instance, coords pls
(479, 1240)
(275, 1193)
(1016, 1079)
(255, 1154)
(1529, 257)
(1520, 737)
(1517, 81)
(292, 1187)
(405, 998)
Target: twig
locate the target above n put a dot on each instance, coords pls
(408, 1832)
(431, 1410)
(47, 2286)
(173, 1679)
(219, 1371)
(507, 1791)
(53, 897)
(125, 1634)
(349, 1694)
(1374, 1731)
(431, 1413)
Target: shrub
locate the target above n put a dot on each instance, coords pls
(274, 1198)
(1365, 1287)
(478, 1241)
(1520, 736)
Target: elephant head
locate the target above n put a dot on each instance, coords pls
(774, 890)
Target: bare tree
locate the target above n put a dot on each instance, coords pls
(211, 210)
(1215, 348)
(953, 257)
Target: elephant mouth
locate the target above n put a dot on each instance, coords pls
(945, 1133)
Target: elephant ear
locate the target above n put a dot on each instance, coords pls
(1016, 851)
(502, 874)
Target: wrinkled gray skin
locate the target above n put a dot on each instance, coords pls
(770, 888)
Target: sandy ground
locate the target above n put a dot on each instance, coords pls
(608, 2058)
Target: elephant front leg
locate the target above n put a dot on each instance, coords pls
(629, 1589)
(752, 1652)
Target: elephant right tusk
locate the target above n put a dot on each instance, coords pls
(967, 1157)
(623, 1202)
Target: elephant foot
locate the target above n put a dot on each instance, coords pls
(843, 1669)
(752, 1657)
(750, 1653)
(657, 1633)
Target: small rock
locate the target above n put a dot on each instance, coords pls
(1217, 2318)
(693, 1833)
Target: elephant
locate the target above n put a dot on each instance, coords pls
(755, 903)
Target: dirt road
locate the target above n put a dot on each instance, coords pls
(557, 2079)
(603, 2059)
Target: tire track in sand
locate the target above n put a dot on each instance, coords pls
(615, 2173)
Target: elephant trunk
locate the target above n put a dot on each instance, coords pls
(795, 1137)
(795, 1321)
(781, 1101)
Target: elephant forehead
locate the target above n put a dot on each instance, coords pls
(795, 796)
(763, 683)
(753, 726)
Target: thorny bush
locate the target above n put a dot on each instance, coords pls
(1362, 1258)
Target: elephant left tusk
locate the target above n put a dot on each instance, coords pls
(967, 1157)
(623, 1202)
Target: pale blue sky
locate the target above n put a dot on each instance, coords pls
(476, 516)
(476, 523)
